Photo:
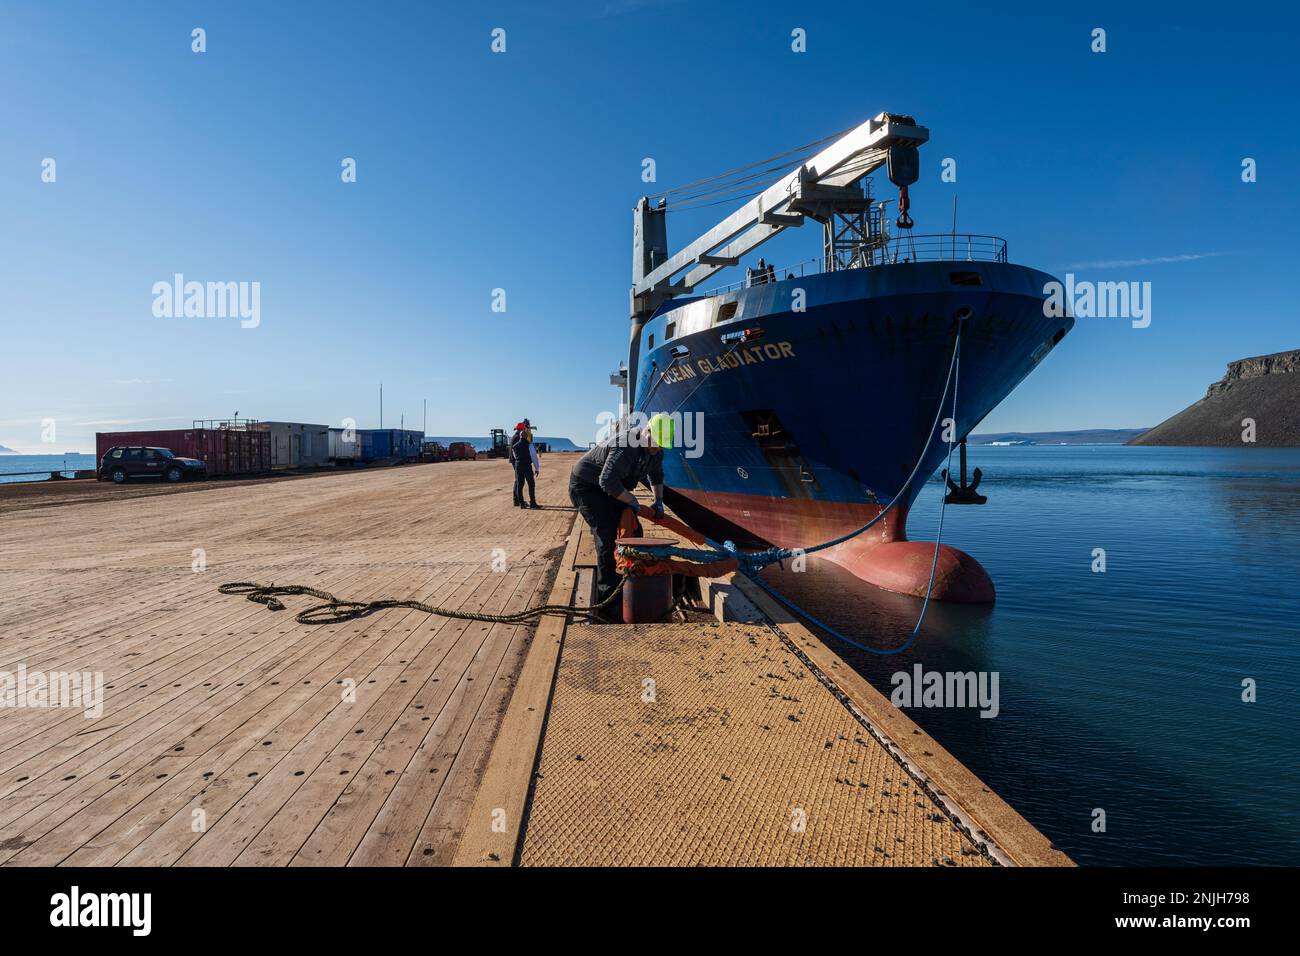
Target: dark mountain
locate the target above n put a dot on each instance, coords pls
(1265, 388)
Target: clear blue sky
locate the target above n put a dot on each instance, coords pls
(519, 170)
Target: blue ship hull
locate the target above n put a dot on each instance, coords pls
(812, 422)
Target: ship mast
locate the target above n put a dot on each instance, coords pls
(826, 188)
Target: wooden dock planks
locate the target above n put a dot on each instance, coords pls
(226, 736)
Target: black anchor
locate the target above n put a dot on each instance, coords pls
(964, 494)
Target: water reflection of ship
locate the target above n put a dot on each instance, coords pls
(883, 619)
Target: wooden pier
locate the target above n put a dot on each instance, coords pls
(232, 735)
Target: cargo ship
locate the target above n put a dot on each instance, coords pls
(814, 390)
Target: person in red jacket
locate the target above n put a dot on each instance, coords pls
(523, 455)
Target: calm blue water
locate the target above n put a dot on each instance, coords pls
(1120, 691)
(45, 463)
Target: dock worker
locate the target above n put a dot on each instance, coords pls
(523, 455)
(602, 482)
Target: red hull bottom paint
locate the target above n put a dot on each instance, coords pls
(881, 556)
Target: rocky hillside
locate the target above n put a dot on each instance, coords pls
(1265, 388)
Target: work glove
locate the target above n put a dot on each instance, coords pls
(659, 509)
(635, 506)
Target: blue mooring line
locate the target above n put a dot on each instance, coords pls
(955, 375)
(752, 564)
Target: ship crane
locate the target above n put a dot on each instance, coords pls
(826, 188)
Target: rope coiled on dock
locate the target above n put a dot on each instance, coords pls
(335, 610)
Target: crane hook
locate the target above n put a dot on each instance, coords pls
(904, 221)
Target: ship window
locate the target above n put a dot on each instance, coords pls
(651, 343)
(965, 278)
(670, 331)
(728, 311)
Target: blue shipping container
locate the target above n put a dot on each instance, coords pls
(406, 443)
(379, 443)
(375, 443)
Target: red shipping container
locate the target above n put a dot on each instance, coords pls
(226, 451)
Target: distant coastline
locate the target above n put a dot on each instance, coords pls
(1085, 436)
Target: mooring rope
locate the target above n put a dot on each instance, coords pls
(761, 559)
(752, 562)
(336, 610)
(954, 373)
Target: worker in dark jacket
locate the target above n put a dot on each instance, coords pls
(523, 455)
(602, 483)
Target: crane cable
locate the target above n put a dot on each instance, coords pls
(748, 166)
(729, 194)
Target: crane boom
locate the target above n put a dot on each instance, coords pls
(821, 186)
(826, 177)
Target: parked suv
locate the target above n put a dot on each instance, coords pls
(122, 462)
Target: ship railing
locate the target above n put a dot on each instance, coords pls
(936, 247)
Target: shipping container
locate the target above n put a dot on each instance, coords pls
(344, 445)
(297, 445)
(376, 443)
(383, 443)
(407, 443)
(227, 451)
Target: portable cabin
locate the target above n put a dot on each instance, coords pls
(297, 444)
(344, 445)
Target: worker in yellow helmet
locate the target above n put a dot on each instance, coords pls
(602, 482)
